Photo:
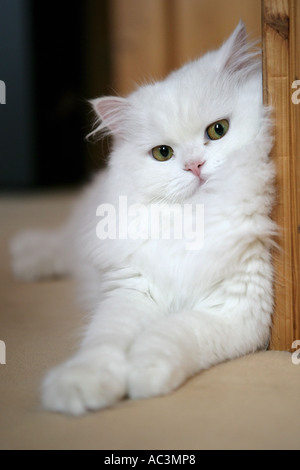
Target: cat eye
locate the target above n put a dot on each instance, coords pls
(162, 153)
(217, 130)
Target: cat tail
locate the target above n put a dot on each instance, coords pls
(38, 254)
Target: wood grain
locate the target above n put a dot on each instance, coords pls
(279, 31)
(139, 41)
(294, 9)
(149, 38)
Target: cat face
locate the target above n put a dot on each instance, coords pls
(174, 136)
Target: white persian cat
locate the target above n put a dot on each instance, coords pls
(162, 308)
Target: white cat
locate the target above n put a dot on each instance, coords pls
(161, 312)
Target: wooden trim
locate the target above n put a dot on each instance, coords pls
(280, 34)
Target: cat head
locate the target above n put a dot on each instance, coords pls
(172, 136)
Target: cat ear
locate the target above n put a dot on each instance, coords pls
(235, 54)
(111, 111)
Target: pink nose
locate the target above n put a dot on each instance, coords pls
(194, 167)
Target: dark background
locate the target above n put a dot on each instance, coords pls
(54, 56)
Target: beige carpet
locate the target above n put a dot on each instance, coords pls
(249, 403)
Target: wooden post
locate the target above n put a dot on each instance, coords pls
(280, 36)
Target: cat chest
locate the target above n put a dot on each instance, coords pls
(172, 274)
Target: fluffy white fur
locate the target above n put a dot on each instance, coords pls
(160, 313)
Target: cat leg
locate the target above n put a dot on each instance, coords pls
(96, 376)
(40, 253)
(181, 345)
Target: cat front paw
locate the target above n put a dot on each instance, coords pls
(153, 376)
(76, 387)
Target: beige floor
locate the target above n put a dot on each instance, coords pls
(249, 403)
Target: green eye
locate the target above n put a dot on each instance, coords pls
(162, 153)
(217, 130)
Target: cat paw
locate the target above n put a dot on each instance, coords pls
(75, 388)
(35, 255)
(153, 376)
